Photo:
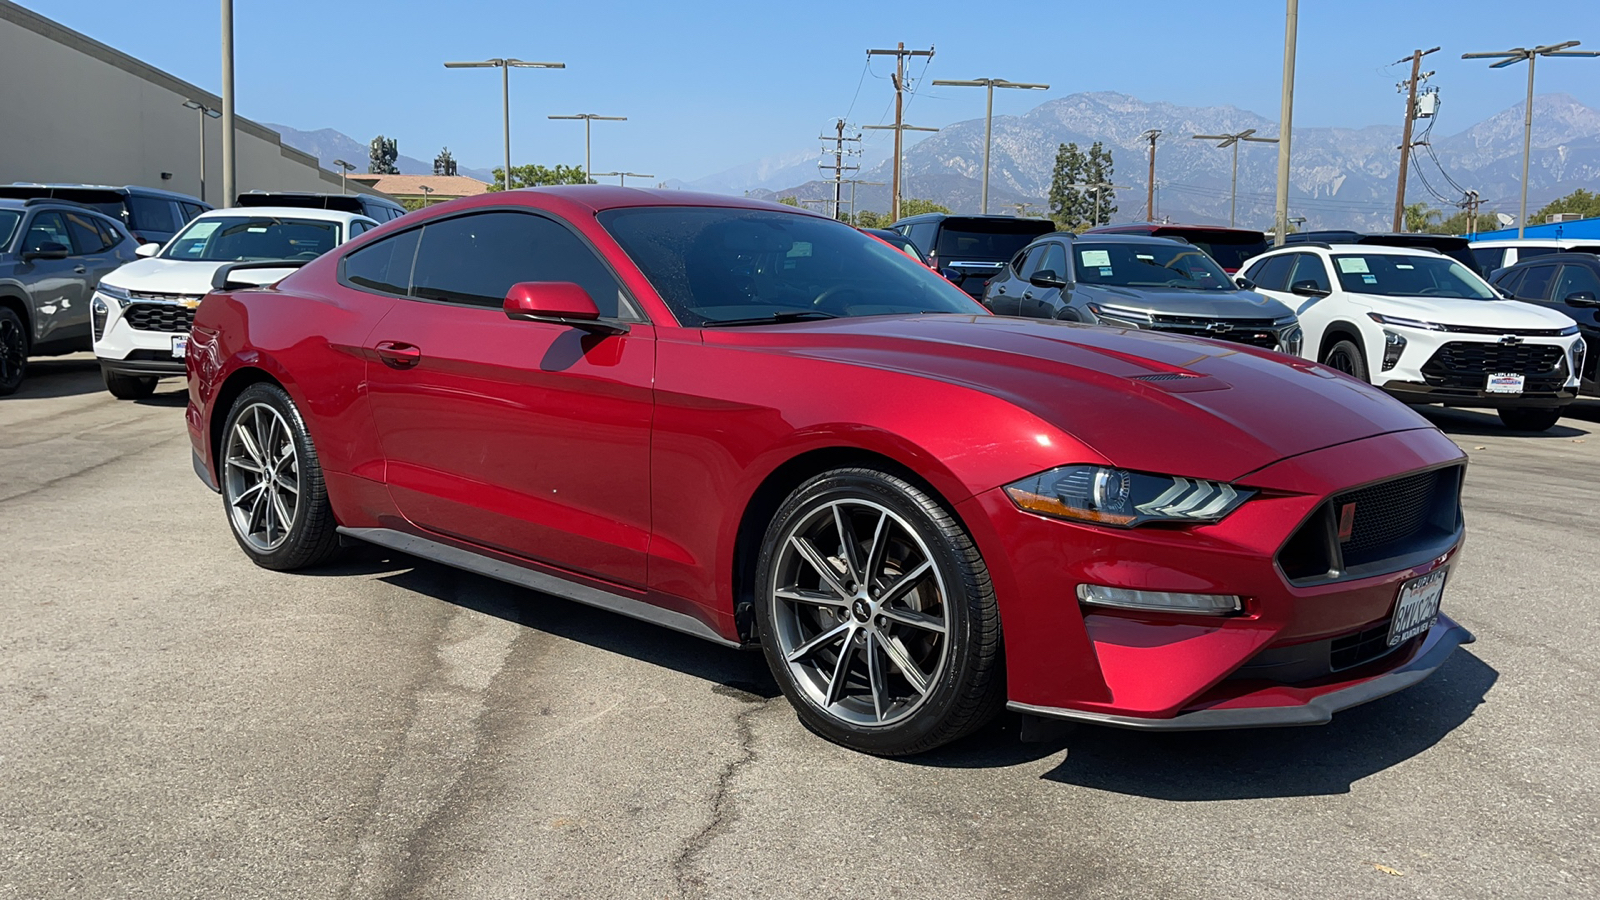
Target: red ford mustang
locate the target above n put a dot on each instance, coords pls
(759, 426)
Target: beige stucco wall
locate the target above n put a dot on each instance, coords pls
(79, 111)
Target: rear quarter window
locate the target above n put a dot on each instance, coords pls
(384, 266)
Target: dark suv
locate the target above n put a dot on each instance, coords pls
(380, 208)
(1230, 247)
(52, 256)
(153, 216)
(1568, 283)
(969, 250)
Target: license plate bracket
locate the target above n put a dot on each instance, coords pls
(180, 346)
(1504, 383)
(1417, 606)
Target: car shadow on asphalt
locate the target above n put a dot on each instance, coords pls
(1574, 422)
(50, 378)
(741, 674)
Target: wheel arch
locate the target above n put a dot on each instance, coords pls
(1338, 330)
(19, 304)
(236, 383)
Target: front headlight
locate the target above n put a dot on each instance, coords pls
(1120, 315)
(115, 293)
(1406, 323)
(97, 315)
(1291, 340)
(1101, 495)
(1393, 346)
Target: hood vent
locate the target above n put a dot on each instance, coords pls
(1166, 376)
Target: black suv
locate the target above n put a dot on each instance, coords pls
(1568, 283)
(153, 216)
(969, 250)
(52, 256)
(380, 208)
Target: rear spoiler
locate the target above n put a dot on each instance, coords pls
(221, 282)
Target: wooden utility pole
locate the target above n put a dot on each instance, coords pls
(838, 167)
(1150, 194)
(1410, 87)
(899, 53)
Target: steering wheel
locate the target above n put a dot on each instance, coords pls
(830, 293)
(1436, 292)
(306, 254)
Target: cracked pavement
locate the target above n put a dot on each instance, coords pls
(180, 723)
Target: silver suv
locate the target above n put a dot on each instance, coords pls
(52, 256)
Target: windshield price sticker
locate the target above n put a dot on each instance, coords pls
(1353, 265)
(1094, 259)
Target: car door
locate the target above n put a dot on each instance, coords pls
(1581, 279)
(1040, 302)
(1003, 296)
(526, 437)
(56, 286)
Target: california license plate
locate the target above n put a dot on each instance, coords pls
(1504, 383)
(180, 346)
(1418, 606)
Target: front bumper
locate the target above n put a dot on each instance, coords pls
(1066, 660)
(1412, 392)
(1429, 371)
(147, 350)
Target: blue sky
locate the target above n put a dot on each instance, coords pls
(710, 85)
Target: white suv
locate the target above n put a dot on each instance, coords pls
(1425, 328)
(142, 312)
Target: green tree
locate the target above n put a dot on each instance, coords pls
(1579, 201)
(789, 201)
(1067, 202)
(1419, 218)
(916, 206)
(1100, 170)
(535, 176)
(869, 219)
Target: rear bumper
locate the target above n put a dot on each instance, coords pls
(1283, 705)
(1412, 392)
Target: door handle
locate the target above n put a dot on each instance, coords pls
(79, 269)
(1027, 295)
(398, 354)
(1001, 289)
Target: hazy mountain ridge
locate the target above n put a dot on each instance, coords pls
(327, 145)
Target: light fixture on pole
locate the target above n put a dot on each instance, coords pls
(427, 194)
(988, 116)
(1232, 140)
(622, 177)
(206, 112)
(588, 119)
(1531, 54)
(505, 66)
(344, 169)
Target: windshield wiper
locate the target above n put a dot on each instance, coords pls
(795, 316)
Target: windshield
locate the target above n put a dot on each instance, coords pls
(715, 264)
(1179, 266)
(986, 240)
(232, 238)
(1409, 276)
(8, 225)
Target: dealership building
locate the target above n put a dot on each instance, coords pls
(77, 111)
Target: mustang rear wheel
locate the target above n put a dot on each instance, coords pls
(877, 615)
(272, 483)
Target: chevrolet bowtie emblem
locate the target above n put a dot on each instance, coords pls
(1510, 339)
(1219, 327)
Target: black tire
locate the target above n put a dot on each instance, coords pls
(311, 537)
(1530, 418)
(966, 687)
(129, 387)
(13, 351)
(1347, 358)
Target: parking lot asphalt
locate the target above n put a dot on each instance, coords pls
(175, 722)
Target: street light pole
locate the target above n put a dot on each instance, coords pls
(228, 169)
(505, 66)
(1150, 189)
(589, 119)
(344, 169)
(988, 117)
(205, 112)
(1516, 55)
(1280, 212)
(1232, 140)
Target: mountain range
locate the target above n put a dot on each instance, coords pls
(1339, 177)
(328, 145)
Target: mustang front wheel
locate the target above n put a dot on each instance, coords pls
(877, 615)
(272, 483)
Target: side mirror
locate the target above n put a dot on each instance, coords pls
(1583, 300)
(1243, 283)
(950, 275)
(46, 250)
(1046, 278)
(145, 251)
(1308, 289)
(557, 303)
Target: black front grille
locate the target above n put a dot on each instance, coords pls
(1255, 332)
(159, 317)
(1379, 527)
(1466, 364)
(1387, 513)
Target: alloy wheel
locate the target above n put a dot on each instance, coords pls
(13, 350)
(859, 609)
(261, 477)
(1341, 361)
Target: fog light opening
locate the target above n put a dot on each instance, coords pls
(1393, 346)
(1163, 601)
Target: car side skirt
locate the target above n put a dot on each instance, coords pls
(499, 570)
(1317, 711)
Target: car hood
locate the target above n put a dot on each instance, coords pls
(1475, 313)
(1143, 400)
(181, 276)
(1220, 304)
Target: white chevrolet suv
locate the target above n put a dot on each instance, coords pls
(141, 313)
(1425, 329)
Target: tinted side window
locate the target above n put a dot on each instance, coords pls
(1510, 280)
(1488, 258)
(1030, 262)
(1536, 284)
(86, 238)
(190, 210)
(152, 214)
(1273, 273)
(112, 232)
(1055, 259)
(1530, 252)
(922, 234)
(1309, 267)
(46, 228)
(476, 259)
(1575, 279)
(385, 265)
